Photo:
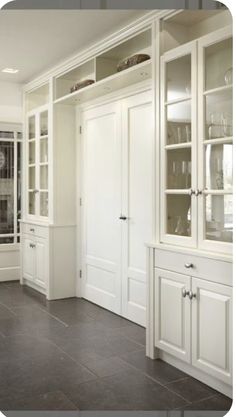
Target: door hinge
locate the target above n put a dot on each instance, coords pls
(80, 130)
(80, 201)
(80, 273)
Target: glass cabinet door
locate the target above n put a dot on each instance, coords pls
(178, 159)
(43, 164)
(216, 141)
(37, 155)
(31, 163)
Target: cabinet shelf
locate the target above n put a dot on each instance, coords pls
(133, 75)
(178, 100)
(218, 89)
(218, 141)
(179, 146)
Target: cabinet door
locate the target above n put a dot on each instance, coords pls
(216, 141)
(172, 313)
(28, 258)
(178, 146)
(41, 262)
(212, 328)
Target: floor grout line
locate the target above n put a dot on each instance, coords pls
(199, 401)
(8, 308)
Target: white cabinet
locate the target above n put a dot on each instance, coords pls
(35, 261)
(212, 329)
(172, 313)
(192, 320)
(196, 143)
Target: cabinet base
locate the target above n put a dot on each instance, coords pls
(195, 373)
(32, 284)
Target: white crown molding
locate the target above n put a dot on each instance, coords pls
(97, 48)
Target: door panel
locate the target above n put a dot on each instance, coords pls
(102, 202)
(172, 314)
(138, 150)
(28, 260)
(41, 262)
(212, 332)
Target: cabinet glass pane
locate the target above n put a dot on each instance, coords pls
(179, 168)
(219, 118)
(179, 123)
(44, 177)
(219, 218)
(32, 127)
(32, 178)
(44, 123)
(178, 78)
(218, 64)
(179, 215)
(44, 204)
(7, 196)
(31, 203)
(44, 150)
(219, 167)
(32, 152)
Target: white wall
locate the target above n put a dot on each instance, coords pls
(10, 102)
(10, 111)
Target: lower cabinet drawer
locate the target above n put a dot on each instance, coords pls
(34, 230)
(197, 266)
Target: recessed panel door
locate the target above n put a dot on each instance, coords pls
(137, 202)
(28, 258)
(212, 329)
(172, 313)
(101, 207)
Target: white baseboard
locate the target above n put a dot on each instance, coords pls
(10, 274)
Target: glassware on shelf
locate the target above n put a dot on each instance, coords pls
(229, 76)
(215, 127)
(227, 125)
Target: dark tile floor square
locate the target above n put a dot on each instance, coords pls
(73, 355)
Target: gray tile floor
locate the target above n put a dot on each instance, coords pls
(74, 355)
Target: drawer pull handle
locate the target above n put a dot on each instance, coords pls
(192, 295)
(32, 230)
(185, 292)
(188, 265)
(31, 245)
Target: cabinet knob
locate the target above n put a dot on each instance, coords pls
(192, 295)
(32, 230)
(185, 292)
(122, 217)
(188, 265)
(198, 192)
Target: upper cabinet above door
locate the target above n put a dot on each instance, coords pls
(178, 142)
(196, 143)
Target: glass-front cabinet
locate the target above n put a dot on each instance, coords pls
(216, 140)
(196, 143)
(178, 143)
(37, 163)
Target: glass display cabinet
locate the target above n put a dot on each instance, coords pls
(196, 143)
(37, 157)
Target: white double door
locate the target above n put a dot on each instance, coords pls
(117, 214)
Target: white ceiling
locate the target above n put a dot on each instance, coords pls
(33, 41)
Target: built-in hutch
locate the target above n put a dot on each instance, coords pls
(182, 93)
